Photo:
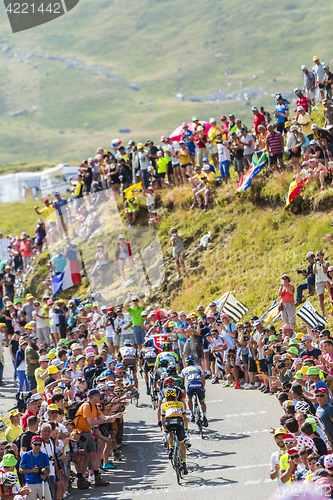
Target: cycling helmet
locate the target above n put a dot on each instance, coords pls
(127, 343)
(164, 362)
(171, 370)
(166, 346)
(169, 392)
(297, 90)
(11, 478)
(302, 406)
(169, 381)
(189, 360)
(148, 343)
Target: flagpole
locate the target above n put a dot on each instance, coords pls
(297, 311)
(225, 301)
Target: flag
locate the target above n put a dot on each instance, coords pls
(258, 161)
(219, 302)
(273, 313)
(311, 317)
(294, 190)
(232, 307)
(135, 188)
(69, 277)
(158, 340)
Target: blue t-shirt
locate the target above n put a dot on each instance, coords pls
(322, 385)
(29, 460)
(325, 413)
(58, 204)
(281, 108)
(71, 255)
(60, 262)
(187, 137)
(180, 324)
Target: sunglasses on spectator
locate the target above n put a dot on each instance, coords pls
(36, 444)
(240, 327)
(320, 395)
(174, 316)
(52, 412)
(294, 456)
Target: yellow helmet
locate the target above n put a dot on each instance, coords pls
(170, 392)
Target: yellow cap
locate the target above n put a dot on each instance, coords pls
(299, 336)
(52, 407)
(139, 146)
(13, 413)
(29, 296)
(52, 370)
(315, 58)
(51, 355)
(304, 370)
(287, 124)
(2, 325)
(28, 326)
(95, 304)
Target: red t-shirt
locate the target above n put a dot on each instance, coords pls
(24, 249)
(258, 120)
(303, 101)
(202, 141)
(25, 417)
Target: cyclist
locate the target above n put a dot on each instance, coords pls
(168, 354)
(170, 383)
(173, 413)
(147, 360)
(128, 356)
(160, 371)
(171, 371)
(195, 385)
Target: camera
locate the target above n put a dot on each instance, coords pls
(317, 259)
(281, 365)
(42, 471)
(300, 271)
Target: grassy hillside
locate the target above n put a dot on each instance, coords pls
(254, 240)
(193, 48)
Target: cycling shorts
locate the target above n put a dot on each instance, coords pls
(148, 366)
(176, 424)
(196, 388)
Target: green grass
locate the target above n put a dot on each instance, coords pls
(165, 46)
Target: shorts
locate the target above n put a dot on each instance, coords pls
(169, 168)
(87, 188)
(321, 86)
(199, 351)
(64, 465)
(269, 368)
(310, 93)
(280, 127)
(196, 389)
(211, 357)
(51, 479)
(180, 254)
(128, 362)
(176, 424)
(88, 443)
(54, 328)
(252, 366)
(175, 165)
(276, 157)
(213, 150)
(205, 345)
(248, 158)
(113, 339)
(161, 175)
(238, 165)
(186, 165)
(150, 208)
(32, 382)
(294, 155)
(320, 288)
(245, 359)
(224, 168)
(191, 147)
(148, 367)
(263, 366)
(139, 334)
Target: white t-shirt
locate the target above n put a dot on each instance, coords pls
(40, 322)
(174, 147)
(54, 318)
(275, 459)
(150, 199)
(222, 152)
(98, 319)
(248, 150)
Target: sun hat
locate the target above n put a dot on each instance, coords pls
(280, 430)
(14, 413)
(272, 337)
(52, 370)
(9, 460)
(293, 342)
(293, 350)
(52, 407)
(304, 370)
(313, 370)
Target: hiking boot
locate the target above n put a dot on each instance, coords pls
(100, 482)
(82, 483)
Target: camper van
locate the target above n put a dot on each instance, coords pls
(56, 179)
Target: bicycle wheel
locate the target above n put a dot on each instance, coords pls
(176, 459)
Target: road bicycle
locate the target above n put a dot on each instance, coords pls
(176, 460)
(129, 371)
(197, 414)
(152, 391)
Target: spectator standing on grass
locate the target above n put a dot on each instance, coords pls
(286, 293)
(223, 149)
(320, 268)
(258, 119)
(328, 81)
(238, 151)
(143, 159)
(309, 83)
(212, 141)
(310, 279)
(274, 146)
(248, 142)
(178, 250)
(281, 113)
(200, 140)
(319, 73)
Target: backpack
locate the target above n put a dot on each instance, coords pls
(74, 408)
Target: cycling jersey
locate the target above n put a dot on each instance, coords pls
(148, 355)
(169, 356)
(172, 409)
(177, 390)
(192, 372)
(127, 352)
(179, 381)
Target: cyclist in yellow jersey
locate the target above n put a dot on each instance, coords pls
(173, 412)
